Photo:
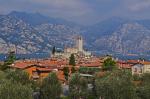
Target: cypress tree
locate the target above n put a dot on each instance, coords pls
(72, 60)
(53, 50)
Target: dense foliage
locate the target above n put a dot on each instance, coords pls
(143, 90)
(51, 87)
(116, 85)
(72, 60)
(53, 50)
(18, 76)
(9, 60)
(78, 87)
(89, 70)
(109, 64)
(15, 85)
(9, 90)
(66, 72)
(109, 84)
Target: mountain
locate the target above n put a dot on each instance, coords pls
(106, 27)
(123, 37)
(145, 23)
(103, 28)
(38, 19)
(32, 33)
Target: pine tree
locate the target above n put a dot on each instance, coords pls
(72, 60)
(66, 72)
(10, 59)
(53, 50)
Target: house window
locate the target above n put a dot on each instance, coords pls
(34, 73)
(140, 71)
(135, 69)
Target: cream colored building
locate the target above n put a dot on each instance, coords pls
(140, 68)
(79, 44)
(146, 68)
(70, 50)
(77, 50)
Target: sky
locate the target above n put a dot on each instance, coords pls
(81, 11)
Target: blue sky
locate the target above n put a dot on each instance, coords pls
(81, 11)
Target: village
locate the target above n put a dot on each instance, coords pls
(40, 68)
(75, 74)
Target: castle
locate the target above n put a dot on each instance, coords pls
(77, 50)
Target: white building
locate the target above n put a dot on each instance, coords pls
(78, 50)
(70, 50)
(140, 68)
(79, 44)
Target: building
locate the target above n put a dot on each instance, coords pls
(141, 67)
(125, 64)
(39, 69)
(77, 50)
(79, 44)
(137, 69)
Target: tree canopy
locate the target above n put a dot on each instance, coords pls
(18, 76)
(72, 60)
(109, 64)
(9, 90)
(53, 50)
(51, 87)
(66, 72)
(143, 91)
(116, 85)
(15, 84)
(78, 87)
(9, 60)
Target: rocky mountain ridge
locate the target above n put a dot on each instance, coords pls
(29, 38)
(129, 38)
(32, 33)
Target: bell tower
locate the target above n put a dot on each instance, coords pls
(79, 43)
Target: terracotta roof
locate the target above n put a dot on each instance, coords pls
(60, 75)
(44, 69)
(145, 62)
(45, 63)
(124, 64)
(20, 65)
(90, 64)
(133, 61)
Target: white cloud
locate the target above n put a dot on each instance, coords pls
(140, 5)
(70, 7)
(81, 11)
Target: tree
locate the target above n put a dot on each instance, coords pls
(2, 74)
(51, 87)
(66, 72)
(109, 64)
(78, 87)
(54, 50)
(9, 90)
(18, 76)
(88, 70)
(15, 84)
(73, 70)
(72, 60)
(143, 90)
(10, 59)
(116, 85)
